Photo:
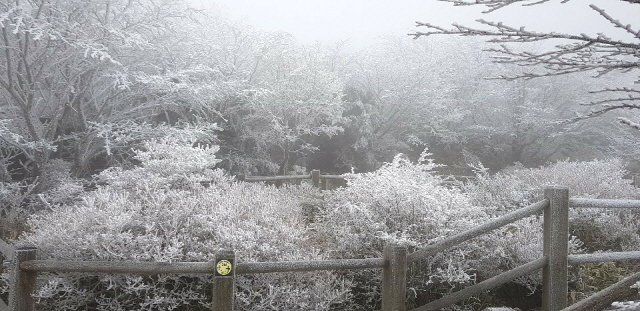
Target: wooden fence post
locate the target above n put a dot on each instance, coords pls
(21, 283)
(241, 177)
(556, 236)
(315, 178)
(394, 278)
(224, 281)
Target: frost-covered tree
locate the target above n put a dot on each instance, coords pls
(69, 64)
(522, 121)
(296, 98)
(598, 54)
(400, 98)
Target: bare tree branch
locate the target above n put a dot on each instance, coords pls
(497, 4)
(616, 22)
(607, 108)
(620, 89)
(599, 54)
(630, 123)
(512, 34)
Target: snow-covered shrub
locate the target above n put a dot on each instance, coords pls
(58, 186)
(166, 164)
(12, 215)
(599, 229)
(518, 186)
(591, 229)
(514, 245)
(176, 207)
(401, 203)
(625, 306)
(18, 200)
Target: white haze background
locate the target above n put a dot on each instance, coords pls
(361, 22)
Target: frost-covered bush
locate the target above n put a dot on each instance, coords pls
(12, 214)
(518, 186)
(166, 164)
(18, 200)
(599, 229)
(402, 203)
(176, 207)
(517, 244)
(58, 186)
(625, 306)
(591, 229)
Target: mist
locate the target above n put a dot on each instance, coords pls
(319, 155)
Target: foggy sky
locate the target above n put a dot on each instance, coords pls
(362, 21)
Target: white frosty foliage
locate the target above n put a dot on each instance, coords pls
(402, 203)
(595, 229)
(160, 212)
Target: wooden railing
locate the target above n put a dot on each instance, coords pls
(323, 181)
(318, 180)
(25, 268)
(553, 262)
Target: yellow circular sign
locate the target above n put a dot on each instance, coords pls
(224, 267)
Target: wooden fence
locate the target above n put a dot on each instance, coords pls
(554, 263)
(318, 180)
(324, 182)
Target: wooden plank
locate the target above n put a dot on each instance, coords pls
(22, 283)
(315, 178)
(604, 298)
(603, 257)
(121, 267)
(129, 267)
(603, 203)
(301, 266)
(224, 281)
(241, 177)
(484, 285)
(275, 178)
(555, 247)
(394, 279)
(479, 230)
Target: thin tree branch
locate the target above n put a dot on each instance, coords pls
(599, 112)
(7, 53)
(619, 89)
(511, 34)
(495, 4)
(616, 22)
